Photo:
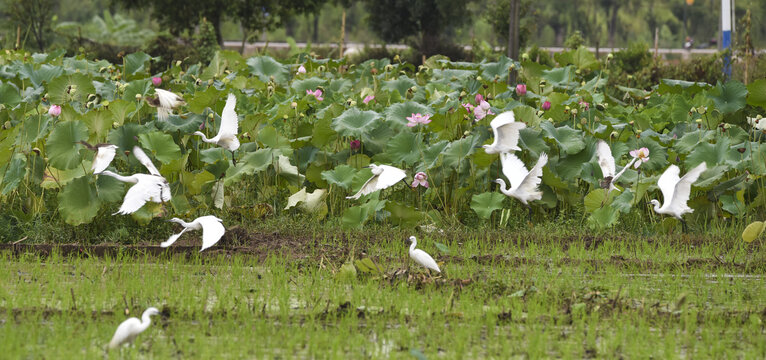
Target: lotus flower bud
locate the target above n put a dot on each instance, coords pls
(389, 67)
(156, 81)
(546, 105)
(609, 57)
(54, 110)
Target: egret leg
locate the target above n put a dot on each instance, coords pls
(530, 213)
(684, 227)
(233, 159)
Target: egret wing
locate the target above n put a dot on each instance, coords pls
(141, 156)
(144, 190)
(509, 136)
(172, 238)
(389, 177)
(513, 169)
(104, 157)
(229, 120)
(423, 258)
(605, 159)
(212, 230)
(683, 186)
(369, 186)
(168, 100)
(534, 177)
(667, 183)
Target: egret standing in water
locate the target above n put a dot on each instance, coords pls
(104, 155)
(227, 132)
(130, 328)
(506, 132)
(421, 257)
(148, 187)
(676, 191)
(383, 176)
(165, 101)
(524, 184)
(211, 226)
(608, 166)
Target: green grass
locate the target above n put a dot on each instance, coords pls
(496, 299)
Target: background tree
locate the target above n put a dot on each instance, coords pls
(33, 17)
(425, 24)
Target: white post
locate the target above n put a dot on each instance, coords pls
(726, 15)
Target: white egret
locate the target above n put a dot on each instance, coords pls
(165, 101)
(130, 328)
(104, 155)
(524, 184)
(676, 191)
(506, 132)
(148, 187)
(211, 226)
(608, 166)
(421, 257)
(383, 176)
(227, 132)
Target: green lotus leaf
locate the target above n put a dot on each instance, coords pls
(597, 199)
(720, 153)
(402, 84)
(35, 127)
(186, 124)
(354, 122)
(603, 218)
(204, 99)
(265, 67)
(45, 73)
(403, 215)
(121, 110)
(497, 70)
(194, 181)
(9, 94)
(341, 176)
(75, 86)
(757, 93)
(485, 203)
(78, 201)
(357, 216)
(99, 123)
(397, 114)
(570, 140)
(161, 146)
(110, 189)
(312, 83)
(288, 171)
(322, 133)
(126, 136)
(458, 150)
(730, 96)
(136, 87)
(15, 173)
(136, 62)
(403, 148)
(212, 155)
(753, 231)
(63, 148)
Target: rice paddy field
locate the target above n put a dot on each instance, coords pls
(532, 294)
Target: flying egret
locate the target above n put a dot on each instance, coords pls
(524, 184)
(227, 132)
(148, 187)
(130, 328)
(383, 176)
(165, 101)
(506, 132)
(421, 257)
(104, 155)
(608, 166)
(676, 191)
(211, 226)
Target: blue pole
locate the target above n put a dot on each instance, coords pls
(726, 36)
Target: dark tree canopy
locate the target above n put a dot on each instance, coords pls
(430, 20)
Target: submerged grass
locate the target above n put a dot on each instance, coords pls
(586, 297)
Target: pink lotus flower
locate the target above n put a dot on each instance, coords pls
(355, 144)
(317, 94)
(584, 105)
(421, 179)
(641, 154)
(468, 107)
(546, 105)
(416, 119)
(521, 89)
(478, 98)
(482, 110)
(156, 81)
(301, 70)
(368, 98)
(54, 110)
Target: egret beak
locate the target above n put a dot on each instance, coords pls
(367, 167)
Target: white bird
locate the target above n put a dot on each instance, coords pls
(227, 133)
(148, 187)
(608, 166)
(676, 191)
(165, 101)
(130, 328)
(104, 156)
(524, 184)
(506, 132)
(383, 176)
(421, 257)
(212, 230)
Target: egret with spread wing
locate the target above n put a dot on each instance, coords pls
(165, 101)
(104, 155)
(524, 184)
(383, 176)
(506, 132)
(211, 226)
(148, 187)
(608, 166)
(676, 191)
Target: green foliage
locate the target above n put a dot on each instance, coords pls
(205, 41)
